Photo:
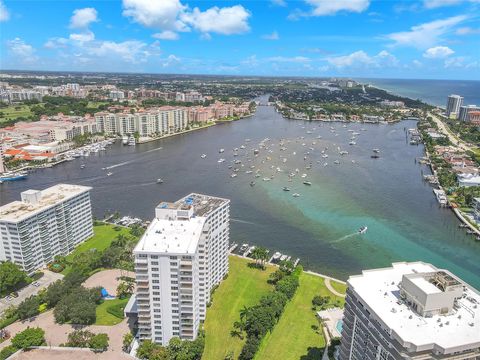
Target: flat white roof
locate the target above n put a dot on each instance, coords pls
(19, 210)
(379, 290)
(171, 236)
(426, 286)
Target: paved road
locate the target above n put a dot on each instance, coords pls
(29, 290)
(452, 137)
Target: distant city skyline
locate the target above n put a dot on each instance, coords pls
(425, 39)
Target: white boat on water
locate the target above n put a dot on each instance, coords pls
(131, 140)
(125, 140)
(296, 195)
(203, 156)
(221, 151)
(159, 181)
(221, 161)
(363, 230)
(109, 174)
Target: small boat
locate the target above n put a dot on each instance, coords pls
(109, 174)
(336, 162)
(125, 140)
(221, 161)
(307, 183)
(221, 151)
(296, 195)
(286, 188)
(376, 150)
(82, 166)
(252, 183)
(352, 143)
(276, 256)
(159, 181)
(363, 230)
(203, 156)
(233, 175)
(375, 156)
(266, 179)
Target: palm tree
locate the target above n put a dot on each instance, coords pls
(244, 313)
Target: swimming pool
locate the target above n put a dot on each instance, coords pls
(339, 326)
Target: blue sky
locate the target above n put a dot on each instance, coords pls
(437, 39)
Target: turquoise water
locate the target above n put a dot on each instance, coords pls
(320, 226)
(339, 326)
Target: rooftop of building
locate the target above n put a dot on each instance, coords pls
(202, 204)
(19, 210)
(379, 289)
(171, 236)
(179, 235)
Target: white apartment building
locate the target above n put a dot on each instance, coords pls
(160, 121)
(410, 311)
(454, 103)
(464, 112)
(180, 258)
(117, 95)
(45, 224)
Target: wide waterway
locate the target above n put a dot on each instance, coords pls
(386, 194)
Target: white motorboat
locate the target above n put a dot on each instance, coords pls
(363, 230)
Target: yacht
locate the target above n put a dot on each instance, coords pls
(307, 183)
(296, 195)
(159, 181)
(125, 140)
(363, 230)
(203, 156)
(13, 176)
(221, 151)
(352, 143)
(221, 161)
(286, 188)
(131, 140)
(233, 175)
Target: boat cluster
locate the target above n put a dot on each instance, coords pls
(86, 150)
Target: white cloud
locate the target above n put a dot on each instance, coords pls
(82, 18)
(432, 4)
(170, 60)
(455, 62)
(417, 63)
(171, 16)
(273, 36)
(132, 51)
(438, 52)
(282, 3)
(467, 31)
(426, 35)
(360, 59)
(21, 51)
(331, 7)
(226, 20)
(83, 37)
(4, 13)
(293, 59)
(159, 14)
(166, 35)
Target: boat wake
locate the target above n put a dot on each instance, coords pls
(242, 221)
(118, 165)
(152, 150)
(345, 237)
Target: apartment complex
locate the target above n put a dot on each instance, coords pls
(162, 121)
(180, 258)
(454, 103)
(410, 311)
(465, 110)
(45, 224)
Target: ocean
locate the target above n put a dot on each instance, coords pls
(434, 92)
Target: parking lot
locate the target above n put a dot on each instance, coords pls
(29, 290)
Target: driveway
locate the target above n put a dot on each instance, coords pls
(29, 290)
(108, 279)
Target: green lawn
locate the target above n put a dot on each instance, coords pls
(103, 236)
(243, 287)
(14, 111)
(341, 288)
(293, 337)
(104, 317)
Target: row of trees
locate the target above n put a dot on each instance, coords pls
(12, 277)
(24, 340)
(87, 339)
(176, 349)
(258, 320)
